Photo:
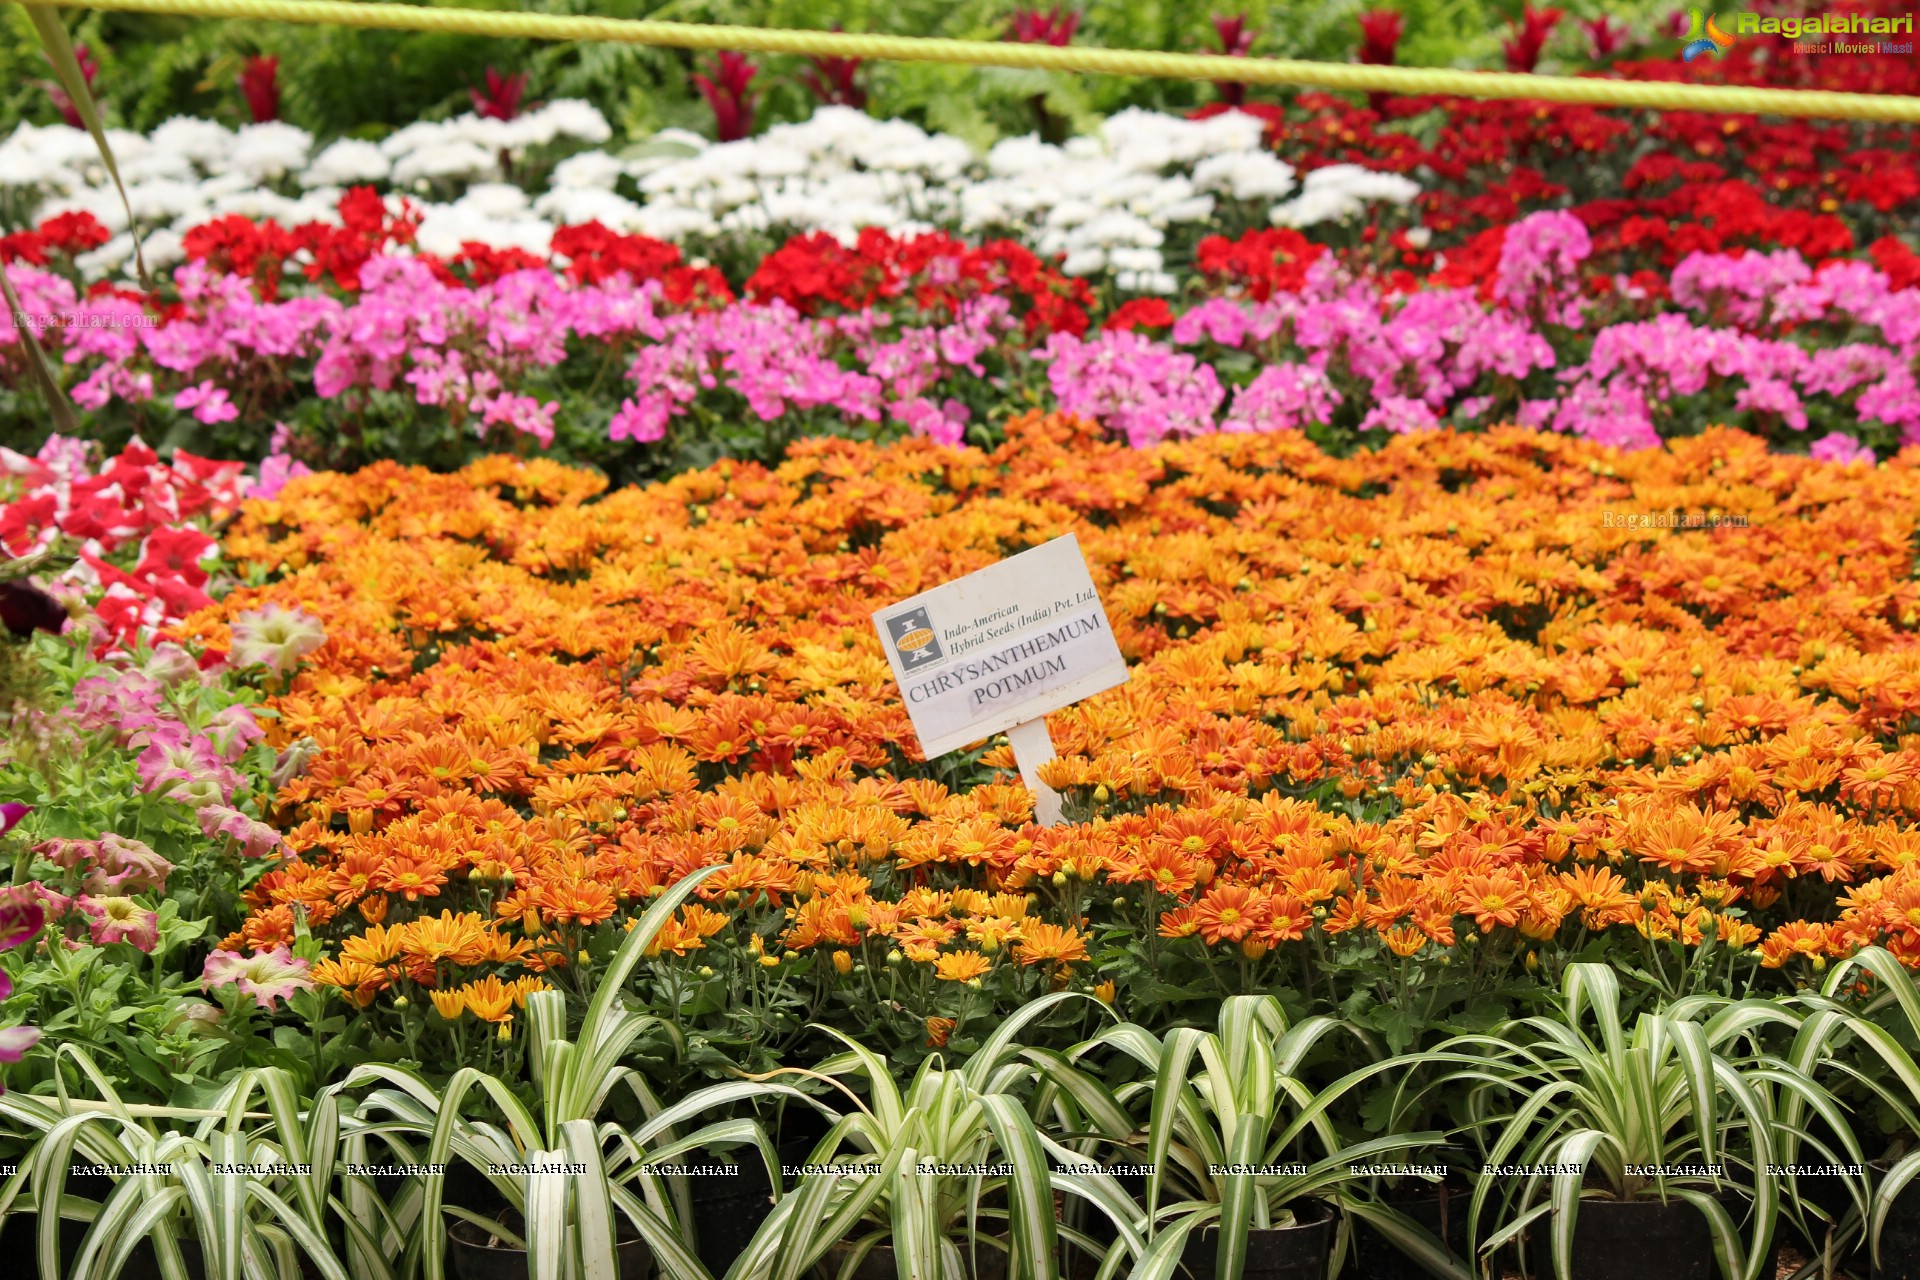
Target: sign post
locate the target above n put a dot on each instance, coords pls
(995, 651)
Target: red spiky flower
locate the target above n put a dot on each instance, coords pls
(1605, 36)
(1380, 37)
(501, 101)
(1053, 26)
(260, 86)
(1236, 41)
(61, 102)
(1527, 38)
(835, 82)
(726, 92)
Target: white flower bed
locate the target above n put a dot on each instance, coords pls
(1104, 202)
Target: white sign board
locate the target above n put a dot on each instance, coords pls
(1000, 648)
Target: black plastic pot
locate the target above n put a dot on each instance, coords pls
(1441, 1208)
(880, 1264)
(473, 1258)
(1900, 1235)
(1298, 1252)
(20, 1235)
(1096, 1223)
(729, 1208)
(1637, 1240)
(144, 1264)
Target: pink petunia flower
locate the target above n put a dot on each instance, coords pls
(118, 919)
(257, 839)
(275, 637)
(128, 866)
(15, 1041)
(267, 976)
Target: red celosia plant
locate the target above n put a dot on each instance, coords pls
(1380, 31)
(1528, 37)
(1605, 36)
(1236, 41)
(260, 86)
(835, 82)
(1053, 26)
(61, 101)
(501, 101)
(1379, 44)
(726, 91)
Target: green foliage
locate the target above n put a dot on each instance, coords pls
(1686, 1104)
(341, 81)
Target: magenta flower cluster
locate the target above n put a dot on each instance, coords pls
(1528, 347)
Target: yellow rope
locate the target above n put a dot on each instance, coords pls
(1589, 90)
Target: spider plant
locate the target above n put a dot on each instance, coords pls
(250, 1189)
(562, 1167)
(1234, 1138)
(1590, 1109)
(921, 1168)
(1887, 1069)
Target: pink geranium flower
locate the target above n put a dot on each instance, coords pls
(10, 815)
(267, 976)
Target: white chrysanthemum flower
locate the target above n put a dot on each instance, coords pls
(453, 159)
(576, 119)
(572, 206)
(666, 220)
(347, 162)
(321, 204)
(205, 142)
(1362, 184)
(162, 200)
(1245, 175)
(1328, 204)
(256, 203)
(1157, 282)
(1135, 259)
(22, 166)
(1116, 228)
(269, 150)
(410, 138)
(1085, 262)
(1014, 156)
(163, 248)
(590, 170)
(107, 259)
(445, 228)
(494, 200)
(155, 165)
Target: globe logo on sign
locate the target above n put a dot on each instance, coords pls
(913, 638)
